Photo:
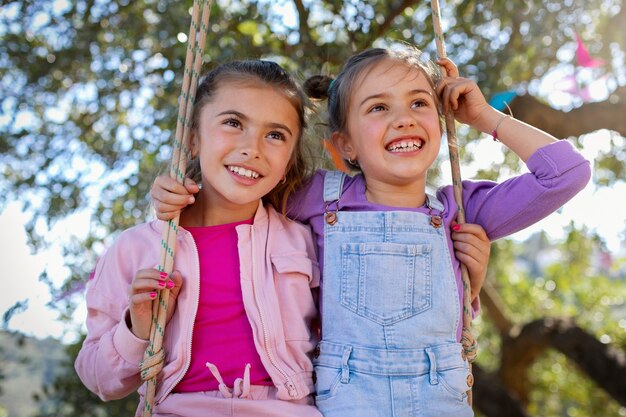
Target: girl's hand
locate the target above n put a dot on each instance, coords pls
(169, 196)
(463, 96)
(143, 291)
(472, 247)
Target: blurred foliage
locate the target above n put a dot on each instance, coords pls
(88, 97)
(67, 397)
(570, 285)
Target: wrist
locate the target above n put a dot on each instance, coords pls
(488, 120)
(494, 132)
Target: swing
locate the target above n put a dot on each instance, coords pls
(154, 356)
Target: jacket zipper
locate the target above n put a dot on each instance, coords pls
(193, 321)
(291, 388)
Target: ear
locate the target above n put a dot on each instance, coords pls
(194, 145)
(341, 141)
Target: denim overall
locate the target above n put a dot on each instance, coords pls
(390, 310)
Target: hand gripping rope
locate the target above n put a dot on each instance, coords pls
(154, 355)
(470, 347)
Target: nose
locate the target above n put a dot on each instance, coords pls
(404, 120)
(250, 147)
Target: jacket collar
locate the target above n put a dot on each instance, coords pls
(261, 217)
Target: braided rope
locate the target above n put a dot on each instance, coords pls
(470, 346)
(150, 366)
(154, 355)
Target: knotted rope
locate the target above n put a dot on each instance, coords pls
(470, 346)
(154, 355)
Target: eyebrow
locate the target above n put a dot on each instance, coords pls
(382, 95)
(272, 125)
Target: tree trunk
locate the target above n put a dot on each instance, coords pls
(492, 398)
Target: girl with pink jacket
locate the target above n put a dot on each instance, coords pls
(239, 325)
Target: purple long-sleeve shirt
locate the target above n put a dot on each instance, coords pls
(557, 173)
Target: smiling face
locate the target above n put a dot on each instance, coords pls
(245, 140)
(392, 129)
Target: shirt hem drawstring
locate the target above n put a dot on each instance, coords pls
(241, 386)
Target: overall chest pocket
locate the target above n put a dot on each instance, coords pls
(386, 282)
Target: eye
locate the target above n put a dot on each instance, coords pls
(275, 135)
(231, 121)
(377, 108)
(420, 103)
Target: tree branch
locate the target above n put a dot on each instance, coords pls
(392, 14)
(494, 305)
(303, 22)
(587, 118)
(602, 363)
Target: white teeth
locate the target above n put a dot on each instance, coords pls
(243, 172)
(406, 146)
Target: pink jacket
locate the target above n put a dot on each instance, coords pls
(278, 269)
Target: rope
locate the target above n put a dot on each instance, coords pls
(470, 346)
(154, 355)
(150, 366)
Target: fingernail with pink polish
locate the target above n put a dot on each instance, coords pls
(161, 283)
(456, 227)
(170, 285)
(153, 294)
(163, 275)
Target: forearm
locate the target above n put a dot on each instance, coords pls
(109, 365)
(520, 137)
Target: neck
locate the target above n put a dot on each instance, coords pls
(205, 213)
(410, 195)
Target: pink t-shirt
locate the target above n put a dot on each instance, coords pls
(222, 334)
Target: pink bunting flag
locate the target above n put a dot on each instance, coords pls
(570, 85)
(583, 57)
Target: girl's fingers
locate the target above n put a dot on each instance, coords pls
(148, 280)
(473, 233)
(452, 91)
(166, 211)
(449, 93)
(473, 229)
(180, 198)
(169, 184)
(470, 252)
(450, 67)
(472, 246)
(142, 297)
(191, 186)
(168, 190)
(176, 280)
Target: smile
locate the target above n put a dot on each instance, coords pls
(406, 146)
(243, 172)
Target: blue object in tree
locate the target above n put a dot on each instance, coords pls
(500, 100)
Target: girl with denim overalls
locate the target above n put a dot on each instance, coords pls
(391, 290)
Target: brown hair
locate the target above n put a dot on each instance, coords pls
(274, 76)
(339, 90)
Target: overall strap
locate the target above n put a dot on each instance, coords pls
(434, 203)
(333, 185)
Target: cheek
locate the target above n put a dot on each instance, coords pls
(283, 159)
